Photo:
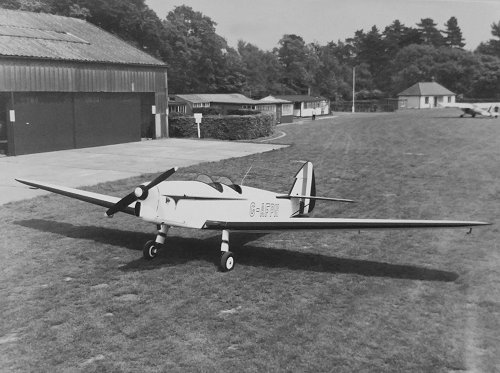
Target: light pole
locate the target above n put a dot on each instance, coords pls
(353, 87)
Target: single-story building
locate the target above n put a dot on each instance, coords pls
(283, 109)
(307, 106)
(221, 101)
(425, 95)
(175, 106)
(65, 83)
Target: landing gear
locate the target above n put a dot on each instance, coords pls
(151, 248)
(227, 258)
(227, 261)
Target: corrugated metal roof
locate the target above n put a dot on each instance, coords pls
(301, 98)
(47, 36)
(426, 89)
(227, 98)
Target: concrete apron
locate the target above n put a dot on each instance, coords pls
(90, 166)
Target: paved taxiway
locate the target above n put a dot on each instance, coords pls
(89, 166)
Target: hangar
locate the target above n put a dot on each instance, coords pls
(65, 83)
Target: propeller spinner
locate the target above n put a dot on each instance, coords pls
(139, 193)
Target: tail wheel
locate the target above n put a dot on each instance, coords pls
(227, 261)
(150, 250)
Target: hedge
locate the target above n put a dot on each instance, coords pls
(228, 127)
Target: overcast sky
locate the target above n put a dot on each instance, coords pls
(264, 22)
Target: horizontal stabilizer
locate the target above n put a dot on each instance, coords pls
(288, 196)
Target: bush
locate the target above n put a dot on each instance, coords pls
(207, 110)
(242, 112)
(228, 127)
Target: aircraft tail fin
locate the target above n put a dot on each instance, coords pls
(304, 186)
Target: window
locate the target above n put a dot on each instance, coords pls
(312, 105)
(201, 104)
(287, 109)
(267, 108)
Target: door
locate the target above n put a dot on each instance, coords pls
(435, 101)
(3, 125)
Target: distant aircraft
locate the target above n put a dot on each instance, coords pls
(487, 109)
(224, 206)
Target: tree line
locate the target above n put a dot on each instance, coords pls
(201, 61)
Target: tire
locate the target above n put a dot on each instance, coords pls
(227, 261)
(150, 250)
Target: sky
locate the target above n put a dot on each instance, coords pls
(264, 22)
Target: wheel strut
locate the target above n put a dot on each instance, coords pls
(227, 257)
(150, 249)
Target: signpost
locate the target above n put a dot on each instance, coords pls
(197, 118)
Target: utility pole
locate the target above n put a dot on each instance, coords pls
(353, 87)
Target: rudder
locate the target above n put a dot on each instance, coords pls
(304, 185)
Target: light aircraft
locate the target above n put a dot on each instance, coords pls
(487, 109)
(224, 206)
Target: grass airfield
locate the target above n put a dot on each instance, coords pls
(76, 294)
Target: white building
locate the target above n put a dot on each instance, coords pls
(426, 95)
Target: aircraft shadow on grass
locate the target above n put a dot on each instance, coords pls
(179, 250)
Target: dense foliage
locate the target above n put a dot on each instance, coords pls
(200, 60)
(227, 127)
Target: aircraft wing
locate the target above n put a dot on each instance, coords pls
(335, 223)
(459, 105)
(82, 195)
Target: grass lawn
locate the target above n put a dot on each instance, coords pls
(76, 295)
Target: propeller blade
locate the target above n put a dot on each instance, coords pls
(141, 192)
(164, 176)
(121, 204)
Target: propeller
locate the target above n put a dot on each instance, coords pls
(141, 192)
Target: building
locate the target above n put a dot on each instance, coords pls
(425, 95)
(307, 106)
(283, 109)
(65, 83)
(221, 101)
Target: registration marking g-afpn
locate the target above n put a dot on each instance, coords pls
(264, 210)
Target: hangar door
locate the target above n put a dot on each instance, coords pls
(56, 121)
(107, 118)
(43, 122)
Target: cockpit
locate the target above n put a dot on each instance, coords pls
(219, 181)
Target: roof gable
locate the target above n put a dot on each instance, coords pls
(227, 98)
(300, 98)
(47, 36)
(426, 89)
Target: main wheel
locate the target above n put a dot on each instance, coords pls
(227, 261)
(150, 250)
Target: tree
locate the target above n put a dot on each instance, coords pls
(486, 77)
(453, 34)
(492, 46)
(429, 34)
(299, 63)
(199, 60)
(262, 70)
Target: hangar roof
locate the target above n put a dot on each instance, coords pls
(47, 36)
(426, 89)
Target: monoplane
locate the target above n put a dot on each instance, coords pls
(224, 206)
(486, 109)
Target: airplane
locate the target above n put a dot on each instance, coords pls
(487, 109)
(224, 206)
